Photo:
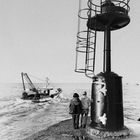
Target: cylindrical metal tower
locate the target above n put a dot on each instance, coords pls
(107, 103)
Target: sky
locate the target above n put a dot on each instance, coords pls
(38, 37)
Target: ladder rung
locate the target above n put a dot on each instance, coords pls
(90, 66)
(90, 59)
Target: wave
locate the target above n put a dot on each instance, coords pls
(20, 118)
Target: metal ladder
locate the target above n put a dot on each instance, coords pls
(86, 39)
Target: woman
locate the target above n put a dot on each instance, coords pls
(75, 109)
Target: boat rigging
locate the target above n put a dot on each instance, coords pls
(36, 94)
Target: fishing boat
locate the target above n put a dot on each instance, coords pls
(37, 94)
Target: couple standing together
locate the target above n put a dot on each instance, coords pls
(79, 108)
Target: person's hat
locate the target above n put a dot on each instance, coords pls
(85, 93)
(75, 95)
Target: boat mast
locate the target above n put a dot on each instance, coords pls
(33, 88)
(47, 82)
(23, 81)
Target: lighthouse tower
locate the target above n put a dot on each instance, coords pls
(101, 16)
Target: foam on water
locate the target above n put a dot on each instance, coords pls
(20, 118)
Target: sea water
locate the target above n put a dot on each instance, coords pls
(20, 118)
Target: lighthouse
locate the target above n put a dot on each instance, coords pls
(107, 96)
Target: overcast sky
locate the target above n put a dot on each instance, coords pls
(39, 37)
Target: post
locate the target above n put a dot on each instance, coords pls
(107, 50)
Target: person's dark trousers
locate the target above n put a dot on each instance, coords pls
(75, 118)
(84, 117)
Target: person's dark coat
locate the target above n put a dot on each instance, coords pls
(75, 106)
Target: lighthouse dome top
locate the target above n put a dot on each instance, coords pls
(110, 12)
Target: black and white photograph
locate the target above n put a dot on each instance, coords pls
(69, 70)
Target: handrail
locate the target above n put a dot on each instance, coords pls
(120, 3)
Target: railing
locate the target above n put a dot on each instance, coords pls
(120, 3)
(86, 40)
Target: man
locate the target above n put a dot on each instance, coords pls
(85, 109)
(75, 109)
